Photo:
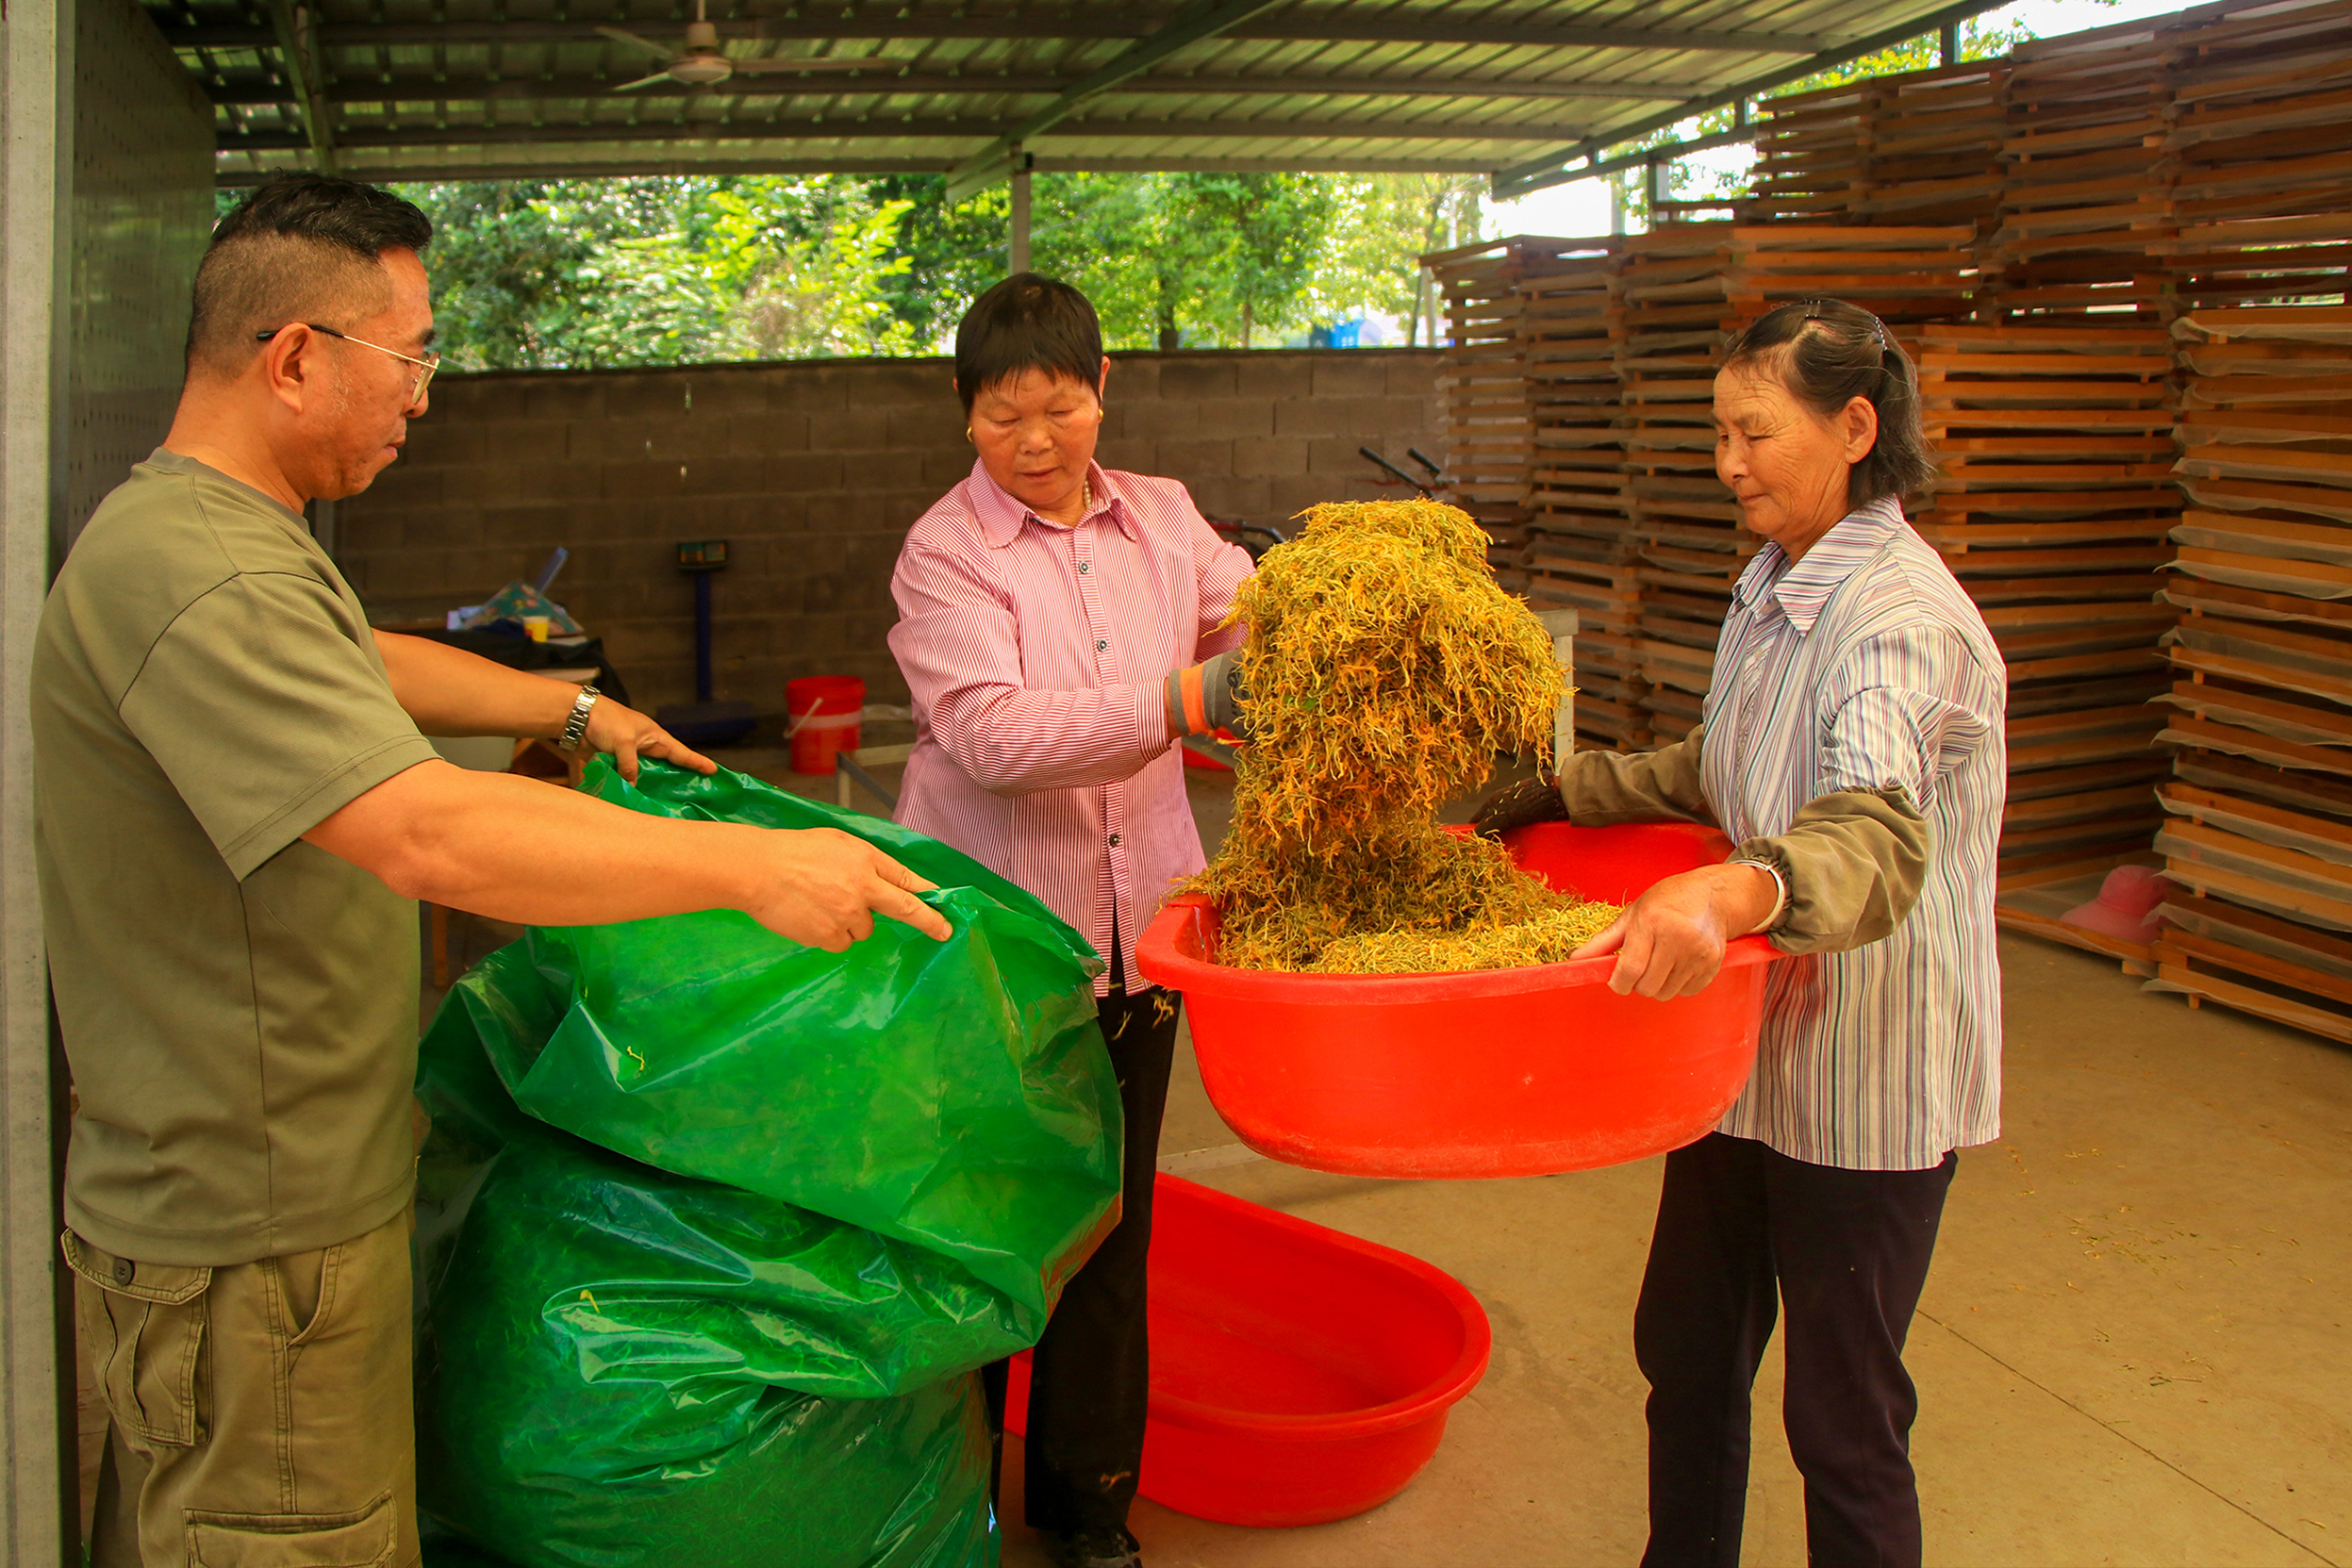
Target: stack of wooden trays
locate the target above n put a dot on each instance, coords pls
(1900, 274)
(1579, 552)
(1489, 416)
(2231, 262)
(2053, 504)
(1673, 302)
(2083, 194)
(1936, 142)
(2261, 142)
(1923, 147)
(1812, 149)
(2258, 835)
(2261, 115)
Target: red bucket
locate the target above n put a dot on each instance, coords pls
(1298, 1375)
(1494, 1072)
(820, 717)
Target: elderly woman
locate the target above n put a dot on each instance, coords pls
(1852, 748)
(1060, 628)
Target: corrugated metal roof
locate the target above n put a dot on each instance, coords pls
(488, 88)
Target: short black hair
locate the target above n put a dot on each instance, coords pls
(1027, 322)
(1827, 353)
(301, 247)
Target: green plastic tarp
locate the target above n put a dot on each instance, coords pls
(715, 1228)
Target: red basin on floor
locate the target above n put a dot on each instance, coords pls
(1498, 1072)
(1298, 1375)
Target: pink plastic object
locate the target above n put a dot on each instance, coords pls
(2126, 907)
(1500, 1072)
(1298, 1375)
(821, 714)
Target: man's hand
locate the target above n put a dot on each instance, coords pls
(1671, 942)
(624, 734)
(823, 888)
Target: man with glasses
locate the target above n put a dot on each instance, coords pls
(236, 805)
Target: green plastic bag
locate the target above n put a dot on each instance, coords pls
(628, 1367)
(608, 1379)
(951, 1094)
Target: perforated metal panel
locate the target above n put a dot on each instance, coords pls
(141, 211)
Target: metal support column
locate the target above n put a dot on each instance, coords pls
(1947, 44)
(1020, 212)
(36, 127)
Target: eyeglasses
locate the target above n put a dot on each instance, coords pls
(425, 367)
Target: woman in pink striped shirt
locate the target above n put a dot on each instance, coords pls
(1059, 627)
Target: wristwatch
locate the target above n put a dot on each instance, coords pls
(575, 727)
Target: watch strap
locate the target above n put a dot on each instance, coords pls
(575, 726)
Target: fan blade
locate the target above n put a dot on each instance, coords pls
(660, 51)
(641, 81)
(819, 63)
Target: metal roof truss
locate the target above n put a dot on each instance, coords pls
(1529, 91)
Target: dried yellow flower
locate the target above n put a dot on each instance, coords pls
(1385, 670)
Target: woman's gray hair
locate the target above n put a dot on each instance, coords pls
(1827, 352)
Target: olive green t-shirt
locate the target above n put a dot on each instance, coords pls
(238, 1007)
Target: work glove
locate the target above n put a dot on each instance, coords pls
(1519, 805)
(1206, 698)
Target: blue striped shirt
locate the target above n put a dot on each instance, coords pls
(1861, 667)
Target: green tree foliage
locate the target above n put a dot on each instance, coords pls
(952, 253)
(507, 262)
(578, 273)
(571, 274)
(1383, 226)
(1174, 260)
(759, 267)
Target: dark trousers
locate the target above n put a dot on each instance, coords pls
(1090, 1377)
(1741, 1230)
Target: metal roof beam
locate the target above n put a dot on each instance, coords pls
(1098, 165)
(1341, 27)
(611, 169)
(1543, 173)
(295, 30)
(1203, 19)
(256, 88)
(1338, 26)
(1431, 87)
(808, 129)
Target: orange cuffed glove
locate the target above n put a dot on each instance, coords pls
(1206, 697)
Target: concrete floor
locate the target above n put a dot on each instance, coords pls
(2132, 1348)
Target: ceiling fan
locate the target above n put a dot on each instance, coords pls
(702, 65)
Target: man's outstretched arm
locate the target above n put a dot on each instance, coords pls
(520, 850)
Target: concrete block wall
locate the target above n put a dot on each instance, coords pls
(814, 471)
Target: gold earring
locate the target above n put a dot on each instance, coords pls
(968, 434)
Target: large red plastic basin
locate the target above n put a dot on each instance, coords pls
(1298, 1375)
(1498, 1072)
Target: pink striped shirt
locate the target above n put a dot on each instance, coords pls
(1037, 656)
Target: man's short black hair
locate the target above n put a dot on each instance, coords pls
(302, 247)
(1027, 322)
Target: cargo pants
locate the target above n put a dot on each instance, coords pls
(258, 1414)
